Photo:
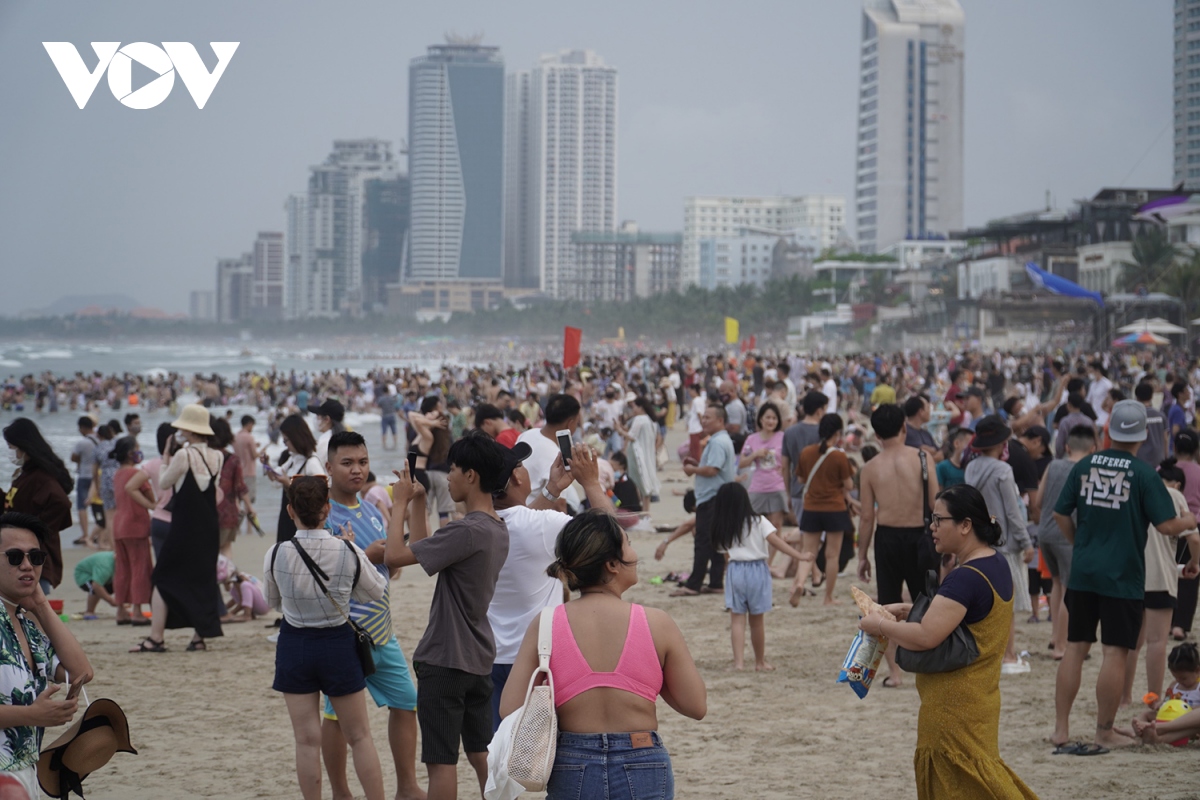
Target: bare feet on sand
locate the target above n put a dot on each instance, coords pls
(763, 667)
(831, 601)
(1112, 739)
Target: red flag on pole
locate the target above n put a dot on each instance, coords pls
(571, 339)
(753, 342)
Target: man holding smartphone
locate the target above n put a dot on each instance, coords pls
(36, 650)
(562, 414)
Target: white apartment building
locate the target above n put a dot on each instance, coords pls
(713, 217)
(909, 166)
(270, 282)
(561, 158)
(1102, 266)
(325, 229)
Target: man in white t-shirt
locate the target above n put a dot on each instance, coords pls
(562, 414)
(695, 412)
(1098, 390)
(523, 588)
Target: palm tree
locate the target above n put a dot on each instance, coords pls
(1153, 253)
(1183, 281)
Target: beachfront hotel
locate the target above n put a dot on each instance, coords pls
(819, 216)
(561, 162)
(909, 165)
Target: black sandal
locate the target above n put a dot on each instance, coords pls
(196, 644)
(153, 647)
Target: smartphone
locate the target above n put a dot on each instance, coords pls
(564, 446)
(412, 465)
(74, 691)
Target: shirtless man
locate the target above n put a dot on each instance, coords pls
(891, 481)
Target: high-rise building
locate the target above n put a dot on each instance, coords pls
(296, 244)
(909, 166)
(268, 290)
(235, 288)
(456, 162)
(624, 264)
(562, 168)
(1187, 93)
(326, 228)
(385, 244)
(202, 305)
(755, 258)
(821, 216)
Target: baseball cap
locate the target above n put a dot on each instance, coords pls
(973, 391)
(513, 456)
(330, 408)
(1037, 432)
(1127, 422)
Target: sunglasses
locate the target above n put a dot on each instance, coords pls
(17, 557)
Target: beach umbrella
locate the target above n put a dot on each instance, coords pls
(1143, 338)
(1154, 325)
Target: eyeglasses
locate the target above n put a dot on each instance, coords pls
(17, 557)
(938, 519)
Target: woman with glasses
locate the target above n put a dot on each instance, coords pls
(41, 486)
(958, 728)
(36, 649)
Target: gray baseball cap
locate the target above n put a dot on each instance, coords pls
(1127, 423)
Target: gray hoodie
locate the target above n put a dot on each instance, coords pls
(994, 479)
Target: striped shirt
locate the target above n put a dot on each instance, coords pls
(368, 526)
(292, 590)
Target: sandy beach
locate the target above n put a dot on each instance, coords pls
(208, 724)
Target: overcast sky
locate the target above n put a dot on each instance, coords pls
(715, 98)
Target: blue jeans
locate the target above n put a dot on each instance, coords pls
(606, 766)
(500, 674)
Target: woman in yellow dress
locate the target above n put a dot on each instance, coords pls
(958, 728)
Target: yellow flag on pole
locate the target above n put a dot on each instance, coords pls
(731, 330)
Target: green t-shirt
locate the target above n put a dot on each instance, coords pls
(1116, 497)
(98, 567)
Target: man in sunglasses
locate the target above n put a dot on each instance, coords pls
(30, 660)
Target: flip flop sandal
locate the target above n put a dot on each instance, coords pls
(1068, 749)
(139, 623)
(1091, 750)
(195, 646)
(152, 647)
(124, 622)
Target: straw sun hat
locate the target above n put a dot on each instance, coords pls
(194, 418)
(85, 747)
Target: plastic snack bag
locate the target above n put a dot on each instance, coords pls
(866, 650)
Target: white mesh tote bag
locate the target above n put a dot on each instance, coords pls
(521, 754)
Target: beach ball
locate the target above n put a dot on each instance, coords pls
(1173, 709)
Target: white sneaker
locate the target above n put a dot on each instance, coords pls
(1018, 667)
(274, 638)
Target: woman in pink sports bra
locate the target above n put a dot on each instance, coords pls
(610, 660)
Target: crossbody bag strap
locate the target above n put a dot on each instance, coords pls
(317, 573)
(813, 472)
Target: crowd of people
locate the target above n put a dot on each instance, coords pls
(1007, 476)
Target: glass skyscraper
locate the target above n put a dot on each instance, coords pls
(456, 162)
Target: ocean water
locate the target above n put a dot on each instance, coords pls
(228, 359)
(19, 358)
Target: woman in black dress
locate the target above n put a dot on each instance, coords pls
(186, 594)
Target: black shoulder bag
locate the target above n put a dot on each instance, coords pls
(362, 639)
(927, 554)
(958, 650)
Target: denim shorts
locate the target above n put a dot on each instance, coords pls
(83, 487)
(606, 766)
(309, 660)
(748, 587)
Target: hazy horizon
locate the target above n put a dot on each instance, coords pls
(760, 98)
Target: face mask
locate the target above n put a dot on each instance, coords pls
(137, 457)
(16, 458)
(179, 437)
